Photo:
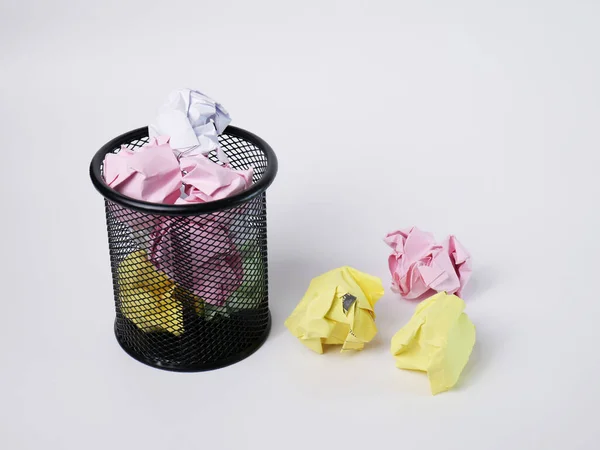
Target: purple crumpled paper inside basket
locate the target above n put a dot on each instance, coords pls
(199, 254)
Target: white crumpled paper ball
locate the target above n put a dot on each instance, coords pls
(193, 121)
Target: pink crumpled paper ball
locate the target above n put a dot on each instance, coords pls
(151, 173)
(206, 181)
(154, 174)
(419, 265)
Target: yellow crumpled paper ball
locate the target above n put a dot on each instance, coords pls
(438, 340)
(337, 308)
(148, 296)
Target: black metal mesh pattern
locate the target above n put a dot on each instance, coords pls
(191, 292)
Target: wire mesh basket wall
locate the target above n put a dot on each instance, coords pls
(191, 281)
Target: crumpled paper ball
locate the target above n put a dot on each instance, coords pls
(419, 265)
(438, 339)
(251, 293)
(206, 181)
(198, 253)
(337, 308)
(194, 122)
(148, 297)
(150, 173)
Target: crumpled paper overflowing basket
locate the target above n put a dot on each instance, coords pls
(190, 280)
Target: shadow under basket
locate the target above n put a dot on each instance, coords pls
(191, 281)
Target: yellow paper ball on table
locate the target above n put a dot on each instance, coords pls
(337, 309)
(437, 340)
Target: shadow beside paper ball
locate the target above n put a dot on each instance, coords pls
(481, 281)
(492, 340)
(289, 278)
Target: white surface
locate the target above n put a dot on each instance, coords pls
(473, 118)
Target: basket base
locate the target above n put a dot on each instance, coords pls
(158, 364)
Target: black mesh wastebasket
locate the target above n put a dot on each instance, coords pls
(190, 281)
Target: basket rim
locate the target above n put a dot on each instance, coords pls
(183, 210)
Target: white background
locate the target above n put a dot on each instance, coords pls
(474, 118)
